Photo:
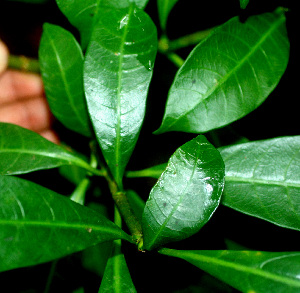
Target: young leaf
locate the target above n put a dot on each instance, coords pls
(117, 73)
(38, 225)
(164, 7)
(186, 195)
(116, 276)
(247, 271)
(83, 14)
(263, 180)
(61, 63)
(23, 151)
(228, 75)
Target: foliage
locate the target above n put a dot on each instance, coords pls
(97, 87)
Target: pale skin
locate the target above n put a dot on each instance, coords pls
(22, 99)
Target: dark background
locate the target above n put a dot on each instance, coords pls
(21, 28)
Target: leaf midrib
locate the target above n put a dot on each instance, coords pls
(119, 112)
(261, 181)
(56, 224)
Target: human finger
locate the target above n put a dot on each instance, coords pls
(15, 85)
(33, 114)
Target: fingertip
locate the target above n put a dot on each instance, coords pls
(3, 56)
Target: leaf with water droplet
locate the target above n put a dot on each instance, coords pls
(186, 194)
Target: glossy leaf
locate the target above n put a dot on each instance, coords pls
(23, 151)
(228, 75)
(164, 7)
(118, 70)
(38, 225)
(186, 195)
(263, 180)
(247, 271)
(116, 276)
(83, 14)
(61, 63)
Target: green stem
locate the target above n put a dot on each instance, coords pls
(177, 60)
(122, 203)
(188, 40)
(24, 63)
(128, 215)
(118, 222)
(50, 276)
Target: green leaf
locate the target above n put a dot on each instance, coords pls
(154, 172)
(116, 276)
(38, 225)
(23, 151)
(83, 14)
(164, 7)
(263, 180)
(186, 195)
(117, 73)
(244, 3)
(61, 63)
(228, 75)
(247, 271)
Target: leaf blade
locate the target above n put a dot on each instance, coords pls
(125, 42)
(61, 63)
(247, 271)
(228, 75)
(39, 225)
(262, 180)
(23, 151)
(185, 196)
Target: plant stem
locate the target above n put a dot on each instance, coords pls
(177, 60)
(24, 63)
(124, 208)
(188, 40)
(50, 276)
(129, 217)
(118, 222)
